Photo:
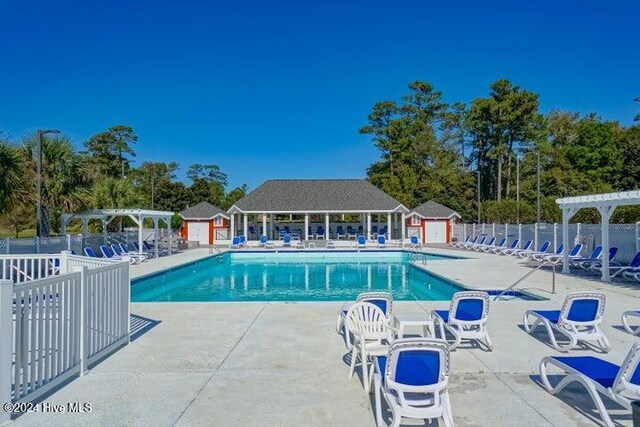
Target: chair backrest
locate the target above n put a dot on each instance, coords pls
(491, 241)
(264, 239)
(106, 251)
(146, 246)
(613, 251)
(361, 240)
(576, 250)
(124, 248)
(628, 377)
(374, 228)
(235, 241)
(596, 253)
(367, 321)
(381, 240)
(544, 246)
(339, 228)
(414, 240)
(251, 229)
(502, 243)
(90, 253)
(383, 300)
(560, 249)
(475, 239)
(635, 262)
(527, 245)
(243, 238)
(286, 238)
(416, 365)
(481, 241)
(583, 308)
(116, 249)
(514, 244)
(469, 306)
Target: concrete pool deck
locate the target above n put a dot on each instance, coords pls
(282, 364)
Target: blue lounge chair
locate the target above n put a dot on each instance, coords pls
(544, 247)
(479, 242)
(578, 320)
(512, 246)
(125, 250)
(586, 262)
(265, 243)
(108, 254)
(469, 243)
(598, 376)
(339, 232)
(459, 243)
(556, 258)
(147, 247)
(542, 256)
(118, 252)
(413, 379)
(631, 269)
(415, 243)
(235, 243)
(286, 240)
(137, 249)
(382, 242)
(320, 232)
(466, 318)
(90, 253)
(362, 242)
(482, 246)
(490, 248)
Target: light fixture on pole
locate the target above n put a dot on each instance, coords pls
(39, 180)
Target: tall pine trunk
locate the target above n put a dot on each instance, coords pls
(499, 180)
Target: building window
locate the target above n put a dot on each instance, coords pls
(218, 221)
(415, 220)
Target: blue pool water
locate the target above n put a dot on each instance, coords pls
(282, 276)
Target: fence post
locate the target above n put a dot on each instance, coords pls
(535, 236)
(473, 228)
(37, 241)
(68, 242)
(506, 233)
(493, 230)
(64, 262)
(519, 235)
(9, 240)
(84, 295)
(577, 233)
(483, 227)
(555, 235)
(637, 237)
(464, 231)
(6, 341)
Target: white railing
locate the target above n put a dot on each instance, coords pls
(25, 268)
(53, 327)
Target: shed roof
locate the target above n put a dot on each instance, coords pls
(317, 196)
(433, 210)
(203, 210)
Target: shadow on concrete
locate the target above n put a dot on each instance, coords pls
(141, 325)
(540, 334)
(576, 397)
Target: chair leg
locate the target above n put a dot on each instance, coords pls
(354, 355)
(488, 340)
(625, 325)
(447, 415)
(603, 341)
(456, 335)
(552, 337)
(339, 323)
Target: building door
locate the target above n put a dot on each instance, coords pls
(436, 231)
(199, 232)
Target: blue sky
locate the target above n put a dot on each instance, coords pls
(275, 89)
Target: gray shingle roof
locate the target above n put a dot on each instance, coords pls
(203, 210)
(433, 209)
(317, 195)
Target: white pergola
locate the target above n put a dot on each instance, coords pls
(606, 204)
(107, 215)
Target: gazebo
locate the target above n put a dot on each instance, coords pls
(107, 215)
(606, 204)
(318, 197)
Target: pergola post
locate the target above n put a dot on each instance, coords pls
(368, 234)
(170, 234)
(245, 226)
(155, 237)
(403, 225)
(105, 238)
(519, 236)
(326, 226)
(140, 222)
(264, 225)
(605, 216)
(388, 236)
(567, 213)
(306, 226)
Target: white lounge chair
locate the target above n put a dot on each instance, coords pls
(481, 247)
(542, 255)
(516, 251)
(541, 250)
(479, 242)
(458, 244)
(625, 321)
(466, 318)
(619, 383)
(490, 248)
(578, 320)
(628, 270)
(557, 258)
(413, 379)
(586, 262)
(513, 245)
(372, 334)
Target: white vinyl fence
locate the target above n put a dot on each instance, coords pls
(625, 236)
(72, 312)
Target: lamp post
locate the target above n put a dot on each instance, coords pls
(518, 187)
(39, 180)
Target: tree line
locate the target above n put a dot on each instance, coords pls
(488, 149)
(101, 176)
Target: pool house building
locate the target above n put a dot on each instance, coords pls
(318, 209)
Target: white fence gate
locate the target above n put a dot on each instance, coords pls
(58, 314)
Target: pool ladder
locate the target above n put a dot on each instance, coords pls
(415, 256)
(529, 273)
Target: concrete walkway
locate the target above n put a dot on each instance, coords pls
(282, 364)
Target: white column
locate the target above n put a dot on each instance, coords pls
(155, 237)
(555, 236)
(6, 331)
(140, 224)
(170, 235)
(271, 226)
(326, 226)
(519, 236)
(245, 228)
(105, 235)
(368, 233)
(567, 213)
(535, 236)
(233, 226)
(605, 216)
(493, 230)
(306, 226)
(403, 226)
(388, 236)
(264, 225)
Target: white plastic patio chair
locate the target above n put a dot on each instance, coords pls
(578, 320)
(372, 335)
(384, 301)
(466, 318)
(413, 379)
(619, 383)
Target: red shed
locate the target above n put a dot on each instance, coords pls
(431, 222)
(201, 221)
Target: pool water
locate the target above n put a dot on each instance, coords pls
(294, 277)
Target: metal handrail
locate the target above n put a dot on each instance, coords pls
(529, 273)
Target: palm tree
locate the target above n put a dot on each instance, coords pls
(114, 193)
(10, 165)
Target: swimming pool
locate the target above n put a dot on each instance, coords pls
(308, 276)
